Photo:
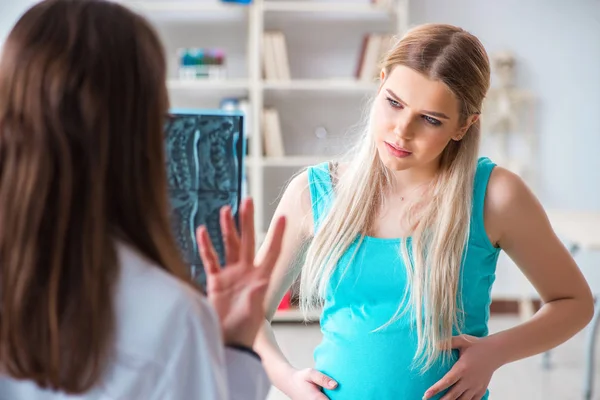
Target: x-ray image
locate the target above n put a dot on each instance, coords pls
(204, 153)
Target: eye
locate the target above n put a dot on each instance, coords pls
(432, 121)
(393, 102)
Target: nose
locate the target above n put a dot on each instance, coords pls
(403, 127)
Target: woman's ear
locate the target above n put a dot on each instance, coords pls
(472, 119)
(382, 77)
(463, 131)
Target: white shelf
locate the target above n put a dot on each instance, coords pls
(208, 84)
(275, 6)
(314, 6)
(293, 161)
(308, 85)
(318, 85)
(194, 23)
(294, 315)
(183, 6)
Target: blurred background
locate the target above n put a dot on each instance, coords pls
(302, 71)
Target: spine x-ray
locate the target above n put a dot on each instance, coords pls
(204, 154)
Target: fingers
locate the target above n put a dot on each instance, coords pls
(231, 238)
(455, 342)
(448, 380)
(468, 396)
(247, 228)
(274, 249)
(456, 392)
(479, 395)
(209, 256)
(321, 379)
(461, 341)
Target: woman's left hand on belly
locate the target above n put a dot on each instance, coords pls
(470, 376)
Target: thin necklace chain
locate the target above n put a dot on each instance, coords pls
(414, 189)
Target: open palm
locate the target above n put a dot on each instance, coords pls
(237, 290)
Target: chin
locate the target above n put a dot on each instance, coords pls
(396, 164)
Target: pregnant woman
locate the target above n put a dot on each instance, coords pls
(402, 243)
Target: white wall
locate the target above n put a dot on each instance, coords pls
(10, 11)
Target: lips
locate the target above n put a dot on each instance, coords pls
(398, 148)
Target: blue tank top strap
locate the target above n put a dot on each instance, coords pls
(321, 191)
(482, 177)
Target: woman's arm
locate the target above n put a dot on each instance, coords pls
(201, 368)
(517, 222)
(295, 205)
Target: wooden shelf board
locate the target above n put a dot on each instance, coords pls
(341, 85)
(208, 84)
(183, 6)
(314, 6)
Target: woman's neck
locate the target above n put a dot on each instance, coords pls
(412, 179)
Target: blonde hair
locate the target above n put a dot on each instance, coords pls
(441, 228)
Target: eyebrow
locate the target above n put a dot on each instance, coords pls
(433, 113)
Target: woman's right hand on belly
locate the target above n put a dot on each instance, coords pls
(306, 384)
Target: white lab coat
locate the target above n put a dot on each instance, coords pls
(168, 347)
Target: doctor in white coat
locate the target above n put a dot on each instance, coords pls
(95, 302)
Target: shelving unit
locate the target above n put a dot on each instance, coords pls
(321, 85)
(323, 39)
(181, 6)
(313, 6)
(208, 84)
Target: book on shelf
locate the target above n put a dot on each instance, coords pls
(272, 138)
(276, 64)
(373, 49)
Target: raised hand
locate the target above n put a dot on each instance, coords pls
(237, 290)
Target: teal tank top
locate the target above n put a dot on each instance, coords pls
(379, 365)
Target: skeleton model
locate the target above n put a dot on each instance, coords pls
(507, 120)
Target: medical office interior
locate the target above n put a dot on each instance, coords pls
(301, 72)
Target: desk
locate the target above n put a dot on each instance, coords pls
(582, 230)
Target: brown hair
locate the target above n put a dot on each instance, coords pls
(82, 107)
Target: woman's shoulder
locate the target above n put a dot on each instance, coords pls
(139, 274)
(154, 308)
(326, 174)
(505, 187)
(315, 178)
(330, 167)
(506, 194)
(501, 185)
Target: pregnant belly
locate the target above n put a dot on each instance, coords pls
(375, 366)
